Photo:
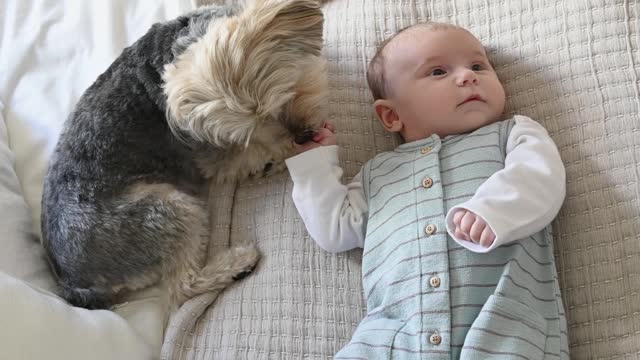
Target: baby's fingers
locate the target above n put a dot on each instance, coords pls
(487, 237)
(476, 230)
(322, 134)
(467, 222)
(460, 235)
(457, 217)
(330, 127)
(325, 137)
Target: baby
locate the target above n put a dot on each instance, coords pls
(454, 223)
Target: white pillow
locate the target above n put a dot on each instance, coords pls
(21, 254)
(37, 325)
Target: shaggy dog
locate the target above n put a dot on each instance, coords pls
(206, 96)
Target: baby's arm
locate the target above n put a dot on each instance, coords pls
(334, 214)
(520, 199)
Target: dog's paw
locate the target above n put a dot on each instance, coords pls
(245, 260)
(238, 262)
(244, 274)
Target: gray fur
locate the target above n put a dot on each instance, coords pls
(98, 235)
(198, 24)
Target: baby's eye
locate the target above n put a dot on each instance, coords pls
(437, 72)
(476, 67)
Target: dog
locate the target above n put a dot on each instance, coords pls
(217, 95)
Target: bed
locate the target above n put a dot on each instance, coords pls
(573, 65)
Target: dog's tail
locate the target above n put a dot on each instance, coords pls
(89, 298)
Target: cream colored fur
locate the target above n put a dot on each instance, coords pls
(250, 86)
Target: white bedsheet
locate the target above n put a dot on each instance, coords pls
(50, 52)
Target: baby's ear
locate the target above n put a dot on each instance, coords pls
(387, 115)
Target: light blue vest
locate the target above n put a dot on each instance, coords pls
(430, 298)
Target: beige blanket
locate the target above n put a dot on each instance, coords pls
(572, 65)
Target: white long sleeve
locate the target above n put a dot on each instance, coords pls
(334, 214)
(526, 195)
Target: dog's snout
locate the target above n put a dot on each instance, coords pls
(303, 136)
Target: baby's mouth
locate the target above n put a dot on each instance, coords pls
(472, 98)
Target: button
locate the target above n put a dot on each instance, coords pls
(425, 150)
(435, 339)
(434, 281)
(427, 182)
(430, 229)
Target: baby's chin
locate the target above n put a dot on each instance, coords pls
(465, 124)
(457, 123)
(473, 120)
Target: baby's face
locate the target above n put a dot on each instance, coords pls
(441, 83)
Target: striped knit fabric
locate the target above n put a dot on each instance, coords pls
(427, 295)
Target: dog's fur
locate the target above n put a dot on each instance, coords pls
(206, 96)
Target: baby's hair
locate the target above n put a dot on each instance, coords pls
(376, 70)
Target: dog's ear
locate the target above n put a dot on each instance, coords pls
(296, 24)
(243, 71)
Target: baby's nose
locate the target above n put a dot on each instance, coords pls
(467, 77)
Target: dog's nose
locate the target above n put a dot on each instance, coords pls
(268, 167)
(303, 137)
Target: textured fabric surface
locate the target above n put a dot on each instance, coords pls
(571, 65)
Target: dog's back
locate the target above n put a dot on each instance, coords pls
(99, 225)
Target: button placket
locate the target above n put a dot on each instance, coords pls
(430, 194)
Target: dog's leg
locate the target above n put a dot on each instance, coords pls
(223, 269)
(128, 242)
(184, 269)
(154, 232)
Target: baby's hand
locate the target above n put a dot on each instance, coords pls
(324, 137)
(471, 227)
